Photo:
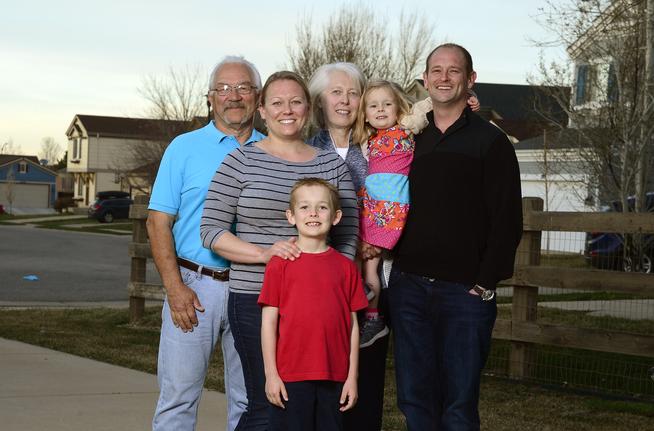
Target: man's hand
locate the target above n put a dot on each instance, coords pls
(183, 302)
(349, 394)
(276, 391)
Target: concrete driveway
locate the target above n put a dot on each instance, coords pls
(71, 266)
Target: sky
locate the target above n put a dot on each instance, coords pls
(67, 57)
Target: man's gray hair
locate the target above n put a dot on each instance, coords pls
(320, 81)
(236, 59)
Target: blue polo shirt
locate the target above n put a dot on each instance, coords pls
(186, 169)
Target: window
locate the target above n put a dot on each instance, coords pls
(22, 168)
(612, 85)
(80, 186)
(582, 84)
(77, 149)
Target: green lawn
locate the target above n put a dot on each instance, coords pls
(119, 227)
(106, 335)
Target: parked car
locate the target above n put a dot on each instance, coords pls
(606, 250)
(110, 205)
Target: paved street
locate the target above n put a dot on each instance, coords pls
(71, 266)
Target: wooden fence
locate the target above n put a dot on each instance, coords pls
(523, 330)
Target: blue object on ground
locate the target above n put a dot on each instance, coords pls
(31, 277)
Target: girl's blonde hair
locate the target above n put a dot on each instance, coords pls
(363, 130)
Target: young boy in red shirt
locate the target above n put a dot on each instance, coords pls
(309, 330)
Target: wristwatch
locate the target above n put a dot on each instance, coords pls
(486, 294)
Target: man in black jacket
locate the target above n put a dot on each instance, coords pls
(460, 239)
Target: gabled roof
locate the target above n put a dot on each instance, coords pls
(125, 127)
(7, 158)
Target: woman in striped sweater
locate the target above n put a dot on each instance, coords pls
(250, 191)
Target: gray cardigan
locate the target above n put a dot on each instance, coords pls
(356, 163)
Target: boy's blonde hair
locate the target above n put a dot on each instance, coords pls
(363, 130)
(334, 199)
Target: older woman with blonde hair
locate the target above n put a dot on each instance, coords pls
(336, 91)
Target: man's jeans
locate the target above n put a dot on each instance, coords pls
(442, 337)
(184, 358)
(245, 321)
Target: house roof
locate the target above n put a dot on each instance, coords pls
(559, 139)
(521, 102)
(125, 127)
(6, 158)
(517, 109)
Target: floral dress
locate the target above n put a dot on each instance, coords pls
(385, 197)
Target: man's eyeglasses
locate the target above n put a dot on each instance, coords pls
(242, 89)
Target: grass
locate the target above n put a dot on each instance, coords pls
(580, 296)
(8, 217)
(582, 319)
(106, 335)
(567, 260)
(87, 225)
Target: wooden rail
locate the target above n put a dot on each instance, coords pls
(523, 330)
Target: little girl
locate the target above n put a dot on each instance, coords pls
(385, 196)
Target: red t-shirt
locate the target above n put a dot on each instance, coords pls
(315, 295)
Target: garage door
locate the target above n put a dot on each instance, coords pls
(26, 195)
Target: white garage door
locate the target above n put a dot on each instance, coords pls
(26, 195)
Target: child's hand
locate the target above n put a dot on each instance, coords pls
(349, 394)
(274, 388)
(416, 120)
(368, 251)
(473, 101)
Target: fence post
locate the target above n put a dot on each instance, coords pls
(138, 267)
(525, 298)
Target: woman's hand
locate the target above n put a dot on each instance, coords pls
(285, 249)
(368, 251)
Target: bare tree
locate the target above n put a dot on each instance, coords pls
(356, 34)
(9, 191)
(611, 115)
(9, 147)
(50, 150)
(611, 111)
(175, 96)
(175, 101)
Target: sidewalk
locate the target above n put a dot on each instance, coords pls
(43, 389)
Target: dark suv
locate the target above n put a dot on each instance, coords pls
(606, 250)
(110, 205)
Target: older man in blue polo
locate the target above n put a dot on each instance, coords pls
(194, 316)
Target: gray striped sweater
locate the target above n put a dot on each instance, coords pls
(251, 189)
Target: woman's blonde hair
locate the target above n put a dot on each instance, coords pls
(363, 130)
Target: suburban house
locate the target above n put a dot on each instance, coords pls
(609, 98)
(25, 185)
(115, 153)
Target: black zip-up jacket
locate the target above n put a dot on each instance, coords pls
(465, 220)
